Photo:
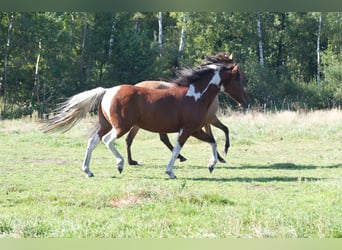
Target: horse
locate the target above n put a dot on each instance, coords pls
(236, 92)
(124, 106)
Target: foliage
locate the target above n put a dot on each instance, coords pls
(79, 51)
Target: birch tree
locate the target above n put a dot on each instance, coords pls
(83, 44)
(36, 72)
(182, 36)
(319, 51)
(261, 51)
(8, 42)
(160, 34)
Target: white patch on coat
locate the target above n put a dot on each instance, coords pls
(222, 88)
(107, 100)
(216, 80)
(213, 66)
(192, 93)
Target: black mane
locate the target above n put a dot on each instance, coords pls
(189, 75)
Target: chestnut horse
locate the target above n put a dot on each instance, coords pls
(122, 107)
(236, 91)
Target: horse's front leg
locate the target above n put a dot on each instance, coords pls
(182, 137)
(218, 124)
(165, 139)
(201, 135)
(210, 132)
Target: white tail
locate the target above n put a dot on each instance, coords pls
(74, 109)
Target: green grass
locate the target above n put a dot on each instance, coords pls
(283, 178)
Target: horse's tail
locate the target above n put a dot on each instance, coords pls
(73, 110)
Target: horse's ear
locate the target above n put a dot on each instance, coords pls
(235, 69)
(230, 57)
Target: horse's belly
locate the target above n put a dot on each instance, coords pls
(160, 125)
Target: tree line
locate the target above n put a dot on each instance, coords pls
(292, 59)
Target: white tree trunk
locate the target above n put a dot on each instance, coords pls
(182, 37)
(8, 42)
(160, 34)
(84, 37)
(111, 40)
(36, 72)
(261, 51)
(319, 51)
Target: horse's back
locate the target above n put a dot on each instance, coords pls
(156, 84)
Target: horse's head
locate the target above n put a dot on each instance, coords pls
(233, 83)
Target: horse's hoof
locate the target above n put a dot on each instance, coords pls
(89, 174)
(171, 175)
(220, 159)
(225, 151)
(120, 170)
(133, 163)
(211, 169)
(181, 158)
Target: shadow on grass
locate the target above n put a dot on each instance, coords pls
(257, 179)
(286, 166)
(276, 166)
(276, 178)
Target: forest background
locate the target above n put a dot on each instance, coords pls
(292, 59)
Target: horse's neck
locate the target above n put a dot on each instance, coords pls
(211, 94)
(205, 90)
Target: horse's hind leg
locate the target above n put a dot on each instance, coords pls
(92, 143)
(108, 139)
(129, 140)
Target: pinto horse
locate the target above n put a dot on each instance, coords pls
(236, 91)
(122, 107)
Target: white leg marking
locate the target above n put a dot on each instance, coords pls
(92, 143)
(180, 132)
(107, 99)
(108, 140)
(214, 157)
(175, 153)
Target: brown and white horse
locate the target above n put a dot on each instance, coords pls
(236, 91)
(124, 106)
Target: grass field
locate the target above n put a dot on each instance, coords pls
(282, 179)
